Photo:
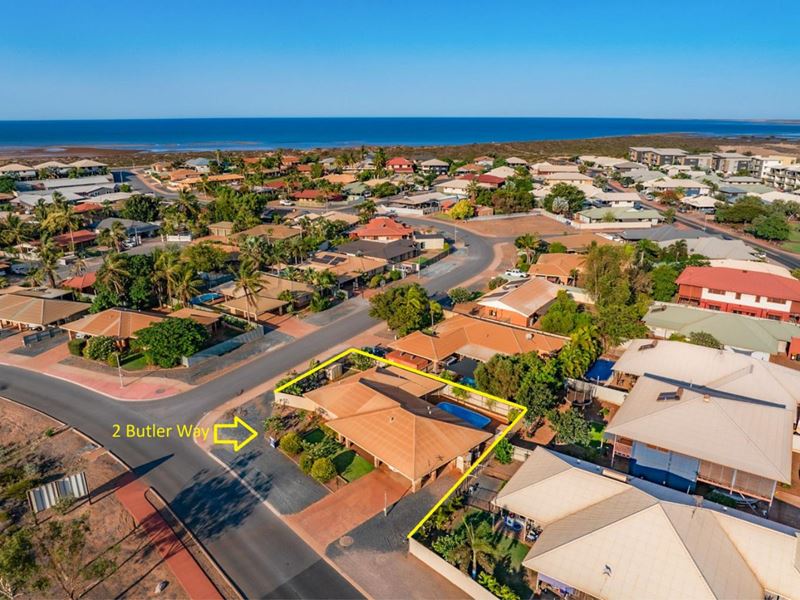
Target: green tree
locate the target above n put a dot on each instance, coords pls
(773, 226)
(500, 376)
(462, 210)
(459, 295)
(19, 571)
(323, 469)
(478, 541)
(529, 243)
(141, 207)
(538, 398)
(573, 196)
(366, 210)
(291, 443)
(113, 273)
(100, 348)
(564, 315)
(570, 427)
(165, 342)
(743, 210)
(504, 451)
(702, 338)
(663, 278)
(405, 308)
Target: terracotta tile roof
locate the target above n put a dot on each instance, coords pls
(742, 281)
(29, 310)
(343, 178)
(476, 339)
(379, 410)
(270, 231)
(114, 322)
(580, 241)
(398, 161)
(199, 315)
(383, 227)
(81, 236)
(557, 265)
(86, 207)
(80, 282)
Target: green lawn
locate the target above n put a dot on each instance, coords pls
(314, 436)
(134, 362)
(793, 243)
(351, 466)
(596, 434)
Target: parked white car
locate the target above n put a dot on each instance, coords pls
(285, 202)
(516, 274)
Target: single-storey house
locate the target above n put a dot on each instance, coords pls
(560, 268)
(31, 312)
(515, 303)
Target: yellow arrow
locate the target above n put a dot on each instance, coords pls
(237, 444)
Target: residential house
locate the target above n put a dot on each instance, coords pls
(414, 204)
(707, 204)
(434, 165)
(463, 337)
(663, 233)
(222, 178)
(596, 533)
(456, 188)
(580, 242)
(570, 178)
(760, 166)
(199, 165)
(132, 228)
(741, 291)
(400, 164)
(471, 168)
(81, 283)
(718, 248)
(619, 214)
(700, 414)
(17, 171)
(272, 232)
(317, 196)
(760, 338)
(516, 303)
(560, 268)
(384, 412)
(274, 294)
(393, 252)
(687, 186)
(345, 267)
(221, 228)
(503, 172)
(546, 168)
(118, 323)
(617, 199)
(383, 229)
(429, 240)
(516, 162)
(33, 312)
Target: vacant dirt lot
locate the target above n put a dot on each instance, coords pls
(36, 450)
(516, 226)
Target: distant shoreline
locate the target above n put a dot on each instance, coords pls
(534, 149)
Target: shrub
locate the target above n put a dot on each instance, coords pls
(114, 360)
(76, 346)
(291, 443)
(496, 282)
(394, 275)
(504, 452)
(165, 342)
(64, 504)
(327, 447)
(323, 470)
(306, 462)
(99, 348)
(375, 281)
(328, 431)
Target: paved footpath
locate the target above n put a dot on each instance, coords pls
(191, 577)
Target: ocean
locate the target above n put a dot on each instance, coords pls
(162, 135)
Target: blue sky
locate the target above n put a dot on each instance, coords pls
(675, 59)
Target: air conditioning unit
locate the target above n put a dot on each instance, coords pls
(334, 371)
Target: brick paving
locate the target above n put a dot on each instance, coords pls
(179, 560)
(326, 521)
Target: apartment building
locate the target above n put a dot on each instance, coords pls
(656, 157)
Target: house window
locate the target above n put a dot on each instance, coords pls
(713, 291)
(775, 300)
(738, 296)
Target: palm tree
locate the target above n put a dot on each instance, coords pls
(114, 272)
(167, 269)
(325, 280)
(49, 254)
(528, 243)
(61, 217)
(478, 542)
(472, 189)
(248, 279)
(114, 236)
(256, 249)
(78, 267)
(366, 210)
(14, 231)
(187, 285)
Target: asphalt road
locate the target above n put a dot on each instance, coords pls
(257, 550)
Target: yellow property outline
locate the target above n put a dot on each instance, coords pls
(481, 458)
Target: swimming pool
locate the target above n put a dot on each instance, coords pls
(470, 416)
(203, 298)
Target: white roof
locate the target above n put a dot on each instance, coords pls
(434, 162)
(515, 160)
(701, 365)
(749, 265)
(566, 177)
(602, 161)
(670, 183)
(51, 164)
(700, 201)
(86, 163)
(525, 299)
(612, 197)
(15, 168)
(714, 247)
(774, 196)
(66, 182)
(640, 540)
(502, 172)
(455, 184)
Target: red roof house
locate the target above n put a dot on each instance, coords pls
(383, 229)
(400, 164)
(78, 238)
(752, 293)
(82, 283)
(317, 195)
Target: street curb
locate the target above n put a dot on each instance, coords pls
(274, 511)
